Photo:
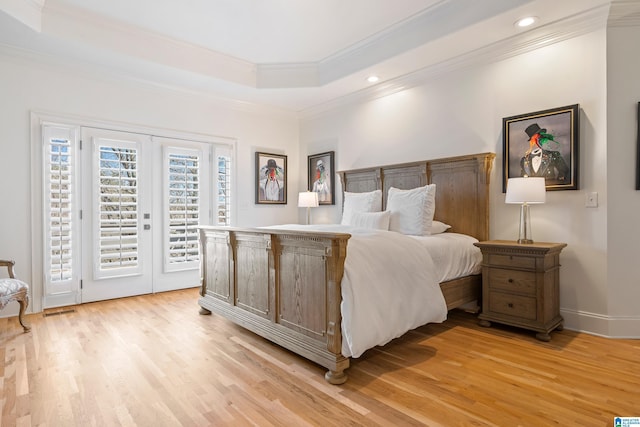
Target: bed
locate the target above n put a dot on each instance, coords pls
(285, 284)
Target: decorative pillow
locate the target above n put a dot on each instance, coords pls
(360, 203)
(371, 220)
(438, 227)
(412, 210)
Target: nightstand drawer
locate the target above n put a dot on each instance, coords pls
(513, 305)
(512, 261)
(512, 280)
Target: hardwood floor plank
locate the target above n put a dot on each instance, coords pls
(153, 360)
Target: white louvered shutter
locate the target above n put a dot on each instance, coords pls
(117, 212)
(182, 207)
(223, 196)
(60, 203)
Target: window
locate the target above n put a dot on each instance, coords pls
(118, 206)
(60, 203)
(120, 215)
(183, 205)
(223, 201)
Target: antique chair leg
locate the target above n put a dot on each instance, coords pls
(23, 307)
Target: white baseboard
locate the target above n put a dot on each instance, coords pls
(601, 325)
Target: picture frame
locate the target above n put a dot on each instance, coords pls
(271, 179)
(320, 174)
(543, 143)
(638, 150)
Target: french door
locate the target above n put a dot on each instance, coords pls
(142, 200)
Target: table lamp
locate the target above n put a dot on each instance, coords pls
(308, 199)
(525, 191)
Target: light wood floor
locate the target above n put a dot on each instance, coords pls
(154, 361)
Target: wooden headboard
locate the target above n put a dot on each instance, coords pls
(462, 187)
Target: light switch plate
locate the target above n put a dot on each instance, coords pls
(592, 200)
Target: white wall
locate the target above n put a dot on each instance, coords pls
(623, 229)
(461, 113)
(26, 86)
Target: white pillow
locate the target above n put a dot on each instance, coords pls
(412, 210)
(360, 203)
(371, 220)
(438, 227)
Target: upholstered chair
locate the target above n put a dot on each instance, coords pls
(12, 289)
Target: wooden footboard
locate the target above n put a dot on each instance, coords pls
(282, 285)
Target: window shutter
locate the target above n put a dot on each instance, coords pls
(183, 204)
(60, 203)
(117, 208)
(224, 169)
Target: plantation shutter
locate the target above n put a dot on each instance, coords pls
(183, 205)
(60, 203)
(117, 212)
(223, 187)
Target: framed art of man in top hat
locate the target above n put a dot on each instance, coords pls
(271, 178)
(320, 177)
(538, 161)
(543, 144)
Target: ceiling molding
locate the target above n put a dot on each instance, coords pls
(75, 24)
(624, 13)
(537, 38)
(277, 76)
(29, 12)
(435, 22)
(55, 64)
(442, 18)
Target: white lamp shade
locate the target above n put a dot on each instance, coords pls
(526, 190)
(308, 199)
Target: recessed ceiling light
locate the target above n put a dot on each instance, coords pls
(526, 22)
(373, 79)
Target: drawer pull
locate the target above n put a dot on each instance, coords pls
(510, 280)
(510, 305)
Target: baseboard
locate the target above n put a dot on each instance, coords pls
(61, 300)
(601, 325)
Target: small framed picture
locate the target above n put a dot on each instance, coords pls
(271, 179)
(320, 177)
(544, 144)
(638, 151)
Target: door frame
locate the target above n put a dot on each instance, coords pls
(39, 300)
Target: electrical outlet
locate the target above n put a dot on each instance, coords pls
(592, 200)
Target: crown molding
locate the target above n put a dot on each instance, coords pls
(69, 67)
(624, 13)
(29, 12)
(71, 23)
(546, 35)
(428, 25)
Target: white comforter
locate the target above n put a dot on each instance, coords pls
(390, 286)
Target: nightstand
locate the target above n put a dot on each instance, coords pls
(520, 285)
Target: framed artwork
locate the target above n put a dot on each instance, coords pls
(320, 177)
(543, 143)
(638, 152)
(271, 179)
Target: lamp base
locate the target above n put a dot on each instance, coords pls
(524, 236)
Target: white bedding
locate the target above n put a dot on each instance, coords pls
(453, 254)
(391, 282)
